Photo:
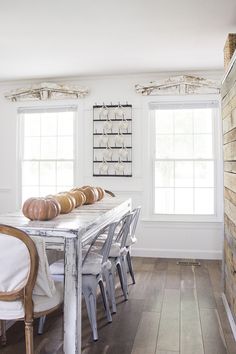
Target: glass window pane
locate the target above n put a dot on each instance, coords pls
(65, 148)
(30, 173)
(49, 124)
(164, 176)
(203, 146)
(184, 201)
(164, 200)
(65, 123)
(31, 148)
(63, 188)
(32, 124)
(164, 146)
(47, 190)
(49, 148)
(184, 174)
(183, 121)
(65, 175)
(204, 201)
(204, 174)
(48, 173)
(203, 120)
(29, 192)
(164, 122)
(183, 146)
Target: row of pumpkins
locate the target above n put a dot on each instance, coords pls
(62, 203)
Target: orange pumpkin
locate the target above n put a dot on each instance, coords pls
(41, 208)
(78, 195)
(101, 193)
(66, 201)
(90, 193)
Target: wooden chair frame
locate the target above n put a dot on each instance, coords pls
(25, 293)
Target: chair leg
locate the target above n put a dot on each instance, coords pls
(90, 295)
(130, 266)
(3, 332)
(105, 301)
(110, 287)
(42, 320)
(123, 265)
(123, 279)
(29, 343)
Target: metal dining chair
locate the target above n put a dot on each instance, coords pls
(95, 267)
(131, 240)
(26, 288)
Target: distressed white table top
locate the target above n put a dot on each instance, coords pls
(74, 224)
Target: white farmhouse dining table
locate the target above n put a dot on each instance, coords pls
(70, 232)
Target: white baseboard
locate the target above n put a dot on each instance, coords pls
(175, 253)
(229, 315)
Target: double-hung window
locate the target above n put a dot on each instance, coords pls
(185, 162)
(47, 151)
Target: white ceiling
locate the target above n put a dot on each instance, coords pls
(44, 39)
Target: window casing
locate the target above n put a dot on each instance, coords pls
(186, 158)
(47, 154)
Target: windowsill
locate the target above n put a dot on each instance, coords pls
(182, 219)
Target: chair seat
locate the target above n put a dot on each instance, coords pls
(93, 265)
(10, 310)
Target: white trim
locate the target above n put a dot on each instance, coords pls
(229, 315)
(176, 253)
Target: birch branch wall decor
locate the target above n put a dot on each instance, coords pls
(179, 85)
(46, 91)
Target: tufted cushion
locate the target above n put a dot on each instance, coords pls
(10, 310)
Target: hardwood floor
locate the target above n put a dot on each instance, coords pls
(173, 309)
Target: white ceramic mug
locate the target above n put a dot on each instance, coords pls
(104, 112)
(119, 167)
(119, 139)
(103, 168)
(107, 154)
(123, 153)
(104, 139)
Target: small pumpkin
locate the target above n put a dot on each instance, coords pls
(66, 201)
(42, 209)
(78, 195)
(90, 193)
(101, 193)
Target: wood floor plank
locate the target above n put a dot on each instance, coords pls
(204, 288)
(191, 336)
(146, 336)
(173, 278)
(169, 329)
(188, 277)
(155, 292)
(213, 338)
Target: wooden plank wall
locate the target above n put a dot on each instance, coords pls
(229, 140)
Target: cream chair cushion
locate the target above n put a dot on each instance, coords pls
(10, 310)
(15, 261)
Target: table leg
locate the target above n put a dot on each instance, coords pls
(72, 334)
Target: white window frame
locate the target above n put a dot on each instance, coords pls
(149, 159)
(45, 107)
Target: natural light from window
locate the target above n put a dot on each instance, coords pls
(47, 162)
(184, 161)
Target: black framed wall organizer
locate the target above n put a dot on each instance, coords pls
(112, 140)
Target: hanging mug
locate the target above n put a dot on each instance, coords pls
(104, 139)
(107, 153)
(119, 112)
(123, 125)
(123, 153)
(103, 168)
(107, 125)
(119, 168)
(104, 113)
(119, 139)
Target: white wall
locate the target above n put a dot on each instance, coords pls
(162, 239)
